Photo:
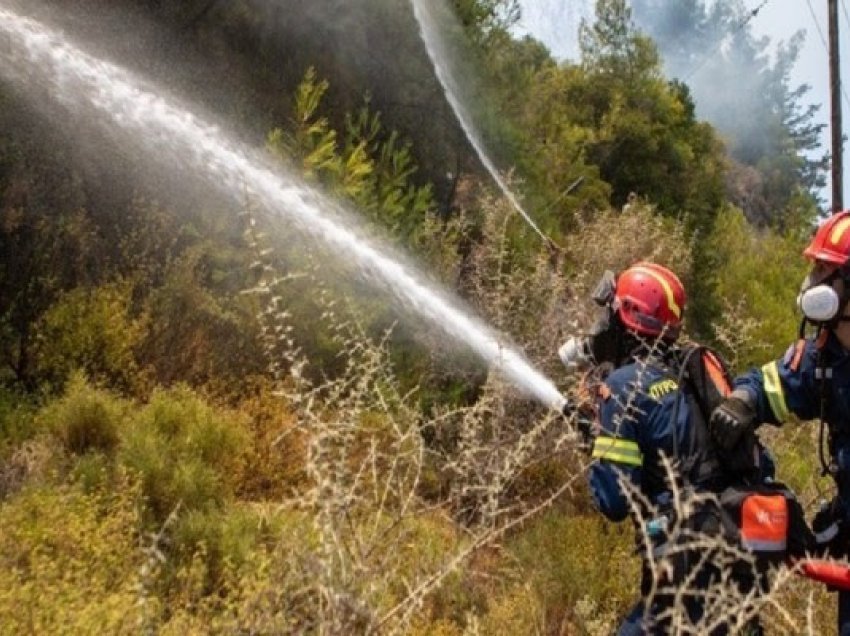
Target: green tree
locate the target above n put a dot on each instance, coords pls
(646, 137)
(364, 164)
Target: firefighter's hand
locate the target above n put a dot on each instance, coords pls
(731, 420)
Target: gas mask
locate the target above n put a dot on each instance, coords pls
(818, 299)
(604, 342)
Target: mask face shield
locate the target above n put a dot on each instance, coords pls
(604, 341)
(575, 354)
(818, 299)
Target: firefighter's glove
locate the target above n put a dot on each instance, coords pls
(829, 526)
(732, 420)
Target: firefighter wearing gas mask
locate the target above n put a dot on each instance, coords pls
(645, 411)
(811, 381)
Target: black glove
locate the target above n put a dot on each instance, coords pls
(732, 419)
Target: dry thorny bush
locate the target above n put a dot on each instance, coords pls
(367, 459)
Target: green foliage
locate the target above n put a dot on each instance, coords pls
(365, 165)
(186, 452)
(200, 330)
(16, 419)
(612, 46)
(569, 558)
(222, 542)
(85, 419)
(647, 137)
(69, 562)
(611, 126)
(92, 330)
(758, 274)
(483, 18)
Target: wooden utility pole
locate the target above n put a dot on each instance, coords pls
(835, 103)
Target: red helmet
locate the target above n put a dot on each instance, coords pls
(650, 300)
(831, 243)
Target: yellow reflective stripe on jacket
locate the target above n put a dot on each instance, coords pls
(773, 389)
(622, 451)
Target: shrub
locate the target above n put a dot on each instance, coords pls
(16, 413)
(185, 451)
(222, 541)
(759, 275)
(199, 333)
(92, 330)
(274, 464)
(569, 558)
(69, 563)
(85, 418)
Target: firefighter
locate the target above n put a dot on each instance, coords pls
(644, 412)
(811, 381)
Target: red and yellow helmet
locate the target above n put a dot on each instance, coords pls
(650, 300)
(831, 243)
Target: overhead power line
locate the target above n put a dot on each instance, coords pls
(826, 45)
(843, 6)
(817, 25)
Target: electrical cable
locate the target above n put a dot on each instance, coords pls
(826, 46)
(844, 11)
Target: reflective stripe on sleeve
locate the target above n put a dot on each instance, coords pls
(773, 389)
(622, 451)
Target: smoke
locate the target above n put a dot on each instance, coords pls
(703, 44)
(711, 46)
(555, 23)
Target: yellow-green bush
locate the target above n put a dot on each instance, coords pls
(85, 418)
(569, 558)
(92, 330)
(268, 592)
(758, 278)
(198, 332)
(69, 563)
(17, 413)
(185, 451)
(274, 464)
(221, 541)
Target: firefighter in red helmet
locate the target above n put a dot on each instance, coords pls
(647, 409)
(811, 381)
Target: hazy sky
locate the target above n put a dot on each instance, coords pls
(554, 22)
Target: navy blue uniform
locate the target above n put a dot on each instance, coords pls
(781, 389)
(641, 410)
(636, 408)
(789, 387)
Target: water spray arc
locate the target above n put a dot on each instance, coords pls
(424, 11)
(32, 53)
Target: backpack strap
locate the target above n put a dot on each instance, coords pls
(704, 381)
